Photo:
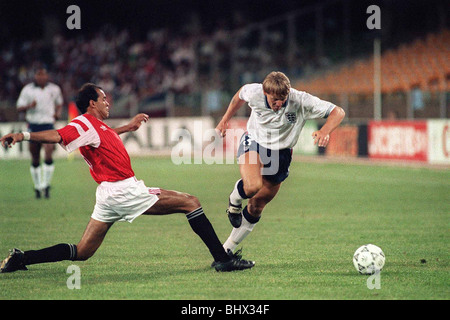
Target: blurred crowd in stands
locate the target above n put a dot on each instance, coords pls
(215, 62)
(110, 58)
(166, 61)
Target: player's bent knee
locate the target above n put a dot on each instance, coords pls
(252, 188)
(184, 202)
(192, 203)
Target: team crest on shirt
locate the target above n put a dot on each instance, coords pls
(291, 117)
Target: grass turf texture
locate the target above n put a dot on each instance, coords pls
(303, 245)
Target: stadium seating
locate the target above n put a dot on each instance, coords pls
(423, 64)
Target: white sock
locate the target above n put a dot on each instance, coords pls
(235, 197)
(47, 174)
(238, 235)
(36, 175)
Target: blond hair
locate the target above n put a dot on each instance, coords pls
(277, 83)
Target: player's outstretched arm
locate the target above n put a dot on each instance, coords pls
(322, 137)
(48, 136)
(134, 124)
(235, 104)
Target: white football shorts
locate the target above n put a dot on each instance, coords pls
(123, 200)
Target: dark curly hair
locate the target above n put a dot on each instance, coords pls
(86, 93)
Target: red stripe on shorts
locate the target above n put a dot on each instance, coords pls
(154, 191)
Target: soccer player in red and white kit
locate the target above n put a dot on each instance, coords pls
(120, 196)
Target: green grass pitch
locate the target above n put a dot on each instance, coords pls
(303, 245)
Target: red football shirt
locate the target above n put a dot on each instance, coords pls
(100, 146)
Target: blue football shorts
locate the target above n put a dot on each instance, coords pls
(276, 162)
(40, 127)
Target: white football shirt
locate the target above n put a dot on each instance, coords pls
(46, 98)
(281, 129)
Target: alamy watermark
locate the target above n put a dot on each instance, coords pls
(374, 281)
(209, 147)
(374, 20)
(74, 20)
(74, 280)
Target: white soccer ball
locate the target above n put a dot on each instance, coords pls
(368, 259)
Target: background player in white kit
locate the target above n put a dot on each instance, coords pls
(278, 115)
(42, 101)
(120, 196)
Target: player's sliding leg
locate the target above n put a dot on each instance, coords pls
(91, 240)
(245, 188)
(176, 202)
(169, 202)
(251, 214)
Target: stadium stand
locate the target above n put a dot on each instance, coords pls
(424, 64)
(192, 73)
(121, 65)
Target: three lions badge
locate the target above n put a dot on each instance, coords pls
(291, 117)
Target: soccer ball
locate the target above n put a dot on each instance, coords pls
(368, 259)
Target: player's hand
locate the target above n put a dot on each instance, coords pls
(10, 139)
(57, 116)
(137, 121)
(320, 138)
(32, 105)
(221, 128)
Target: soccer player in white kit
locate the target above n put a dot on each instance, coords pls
(120, 196)
(42, 102)
(278, 115)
